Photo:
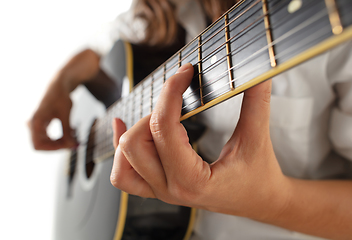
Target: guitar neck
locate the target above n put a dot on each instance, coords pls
(252, 42)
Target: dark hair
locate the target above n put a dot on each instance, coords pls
(162, 27)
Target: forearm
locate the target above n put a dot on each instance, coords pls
(80, 69)
(319, 208)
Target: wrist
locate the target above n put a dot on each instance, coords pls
(276, 203)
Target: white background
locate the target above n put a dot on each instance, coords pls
(36, 38)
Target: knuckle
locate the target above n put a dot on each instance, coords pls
(157, 124)
(125, 143)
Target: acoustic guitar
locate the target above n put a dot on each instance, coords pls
(252, 42)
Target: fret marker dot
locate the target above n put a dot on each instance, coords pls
(294, 6)
(213, 59)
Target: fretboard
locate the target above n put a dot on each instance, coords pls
(252, 42)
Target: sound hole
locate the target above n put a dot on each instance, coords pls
(89, 163)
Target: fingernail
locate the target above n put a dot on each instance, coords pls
(184, 68)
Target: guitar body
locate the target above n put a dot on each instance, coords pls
(246, 46)
(88, 206)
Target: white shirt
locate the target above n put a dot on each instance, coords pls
(311, 131)
(310, 125)
(311, 116)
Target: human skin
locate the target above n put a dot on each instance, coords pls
(154, 159)
(56, 102)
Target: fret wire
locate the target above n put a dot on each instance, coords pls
(228, 51)
(253, 24)
(151, 93)
(231, 9)
(219, 31)
(234, 80)
(313, 19)
(179, 59)
(200, 76)
(283, 38)
(218, 48)
(334, 17)
(269, 37)
(292, 49)
(211, 37)
(179, 52)
(268, 61)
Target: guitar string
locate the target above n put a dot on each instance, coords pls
(226, 84)
(216, 63)
(175, 55)
(288, 51)
(313, 19)
(204, 42)
(273, 8)
(110, 146)
(263, 49)
(220, 61)
(323, 32)
(232, 69)
(206, 57)
(209, 55)
(223, 27)
(153, 73)
(210, 38)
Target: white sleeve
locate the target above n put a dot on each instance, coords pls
(340, 73)
(124, 27)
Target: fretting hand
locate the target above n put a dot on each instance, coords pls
(155, 160)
